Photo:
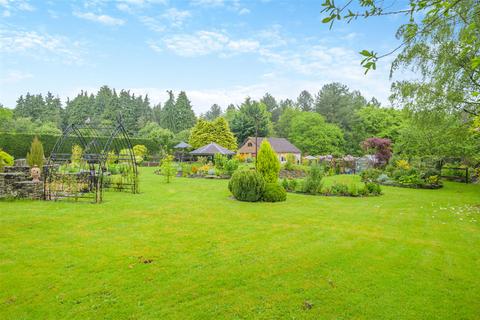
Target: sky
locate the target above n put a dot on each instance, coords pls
(218, 51)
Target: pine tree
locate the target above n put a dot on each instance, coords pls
(305, 101)
(168, 114)
(267, 162)
(35, 157)
(185, 115)
(214, 112)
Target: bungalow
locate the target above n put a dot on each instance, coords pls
(281, 146)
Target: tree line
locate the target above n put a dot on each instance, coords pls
(333, 121)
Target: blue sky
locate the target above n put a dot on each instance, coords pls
(218, 51)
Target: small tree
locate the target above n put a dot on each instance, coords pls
(140, 151)
(35, 157)
(382, 148)
(167, 169)
(268, 164)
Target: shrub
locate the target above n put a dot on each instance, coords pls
(202, 160)
(5, 159)
(18, 144)
(339, 189)
(241, 157)
(76, 157)
(289, 184)
(219, 160)
(246, 185)
(111, 157)
(268, 164)
(313, 182)
(402, 164)
(383, 178)
(35, 157)
(289, 165)
(231, 166)
(373, 188)
(274, 193)
(140, 151)
(186, 169)
(382, 148)
(370, 175)
(353, 190)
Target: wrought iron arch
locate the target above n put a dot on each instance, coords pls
(104, 159)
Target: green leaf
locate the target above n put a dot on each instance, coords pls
(366, 53)
(475, 62)
(327, 19)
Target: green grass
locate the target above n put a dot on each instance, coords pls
(409, 254)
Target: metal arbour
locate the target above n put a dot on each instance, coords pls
(105, 161)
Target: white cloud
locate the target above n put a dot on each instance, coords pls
(203, 42)
(234, 5)
(243, 11)
(175, 16)
(132, 6)
(153, 24)
(100, 18)
(154, 46)
(41, 46)
(14, 76)
(10, 6)
(207, 3)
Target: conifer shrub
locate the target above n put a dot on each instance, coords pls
(246, 185)
(35, 157)
(268, 164)
(5, 159)
(313, 182)
(274, 193)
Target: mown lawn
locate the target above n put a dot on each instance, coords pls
(187, 251)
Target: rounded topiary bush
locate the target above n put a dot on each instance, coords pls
(274, 193)
(247, 185)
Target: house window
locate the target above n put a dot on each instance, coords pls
(282, 158)
(249, 144)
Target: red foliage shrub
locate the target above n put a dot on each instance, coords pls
(382, 148)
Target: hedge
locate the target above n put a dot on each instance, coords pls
(18, 144)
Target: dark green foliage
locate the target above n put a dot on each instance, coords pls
(177, 115)
(339, 189)
(247, 185)
(313, 182)
(370, 175)
(18, 144)
(244, 121)
(289, 184)
(373, 188)
(274, 193)
(214, 112)
(35, 156)
(311, 134)
(230, 166)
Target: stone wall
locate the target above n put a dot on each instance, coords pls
(16, 182)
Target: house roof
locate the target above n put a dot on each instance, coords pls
(211, 149)
(279, 145)
(311, 158)
(182, 145)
